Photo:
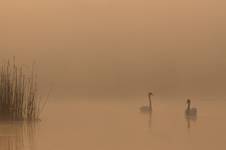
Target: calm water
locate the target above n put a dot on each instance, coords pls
(104, 125)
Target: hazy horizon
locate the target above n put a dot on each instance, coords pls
(119, 48)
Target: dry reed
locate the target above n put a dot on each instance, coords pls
(18, 93)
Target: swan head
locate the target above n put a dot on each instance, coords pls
(188, 101)
(150, 94)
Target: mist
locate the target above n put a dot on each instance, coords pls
(119, 48)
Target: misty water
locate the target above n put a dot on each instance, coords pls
(118, 124)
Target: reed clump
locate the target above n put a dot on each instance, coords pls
(18, 93)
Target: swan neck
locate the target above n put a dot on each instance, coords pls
(189, 106)
(150, 106)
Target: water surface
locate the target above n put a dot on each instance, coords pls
(110, 125)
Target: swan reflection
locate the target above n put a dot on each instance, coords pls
(149, 120)
(190, 119)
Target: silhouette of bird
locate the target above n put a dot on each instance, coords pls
(146, 109)
(190, 112)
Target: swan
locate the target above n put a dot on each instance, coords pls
(190, 112)
(145, 109)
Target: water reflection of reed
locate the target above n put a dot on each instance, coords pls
(17, 135)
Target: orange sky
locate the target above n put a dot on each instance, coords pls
(119, 47)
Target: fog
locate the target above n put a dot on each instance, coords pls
(115, 48)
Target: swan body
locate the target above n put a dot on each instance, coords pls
(147, 109)
(191, 112)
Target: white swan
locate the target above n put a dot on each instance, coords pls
(145, 109)
(190, 112)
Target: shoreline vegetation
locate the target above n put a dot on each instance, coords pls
(18, 93)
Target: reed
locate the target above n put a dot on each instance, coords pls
(18, 93)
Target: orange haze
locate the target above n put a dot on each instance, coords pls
(119, 47)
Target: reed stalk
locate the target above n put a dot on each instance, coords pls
(18, 93)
